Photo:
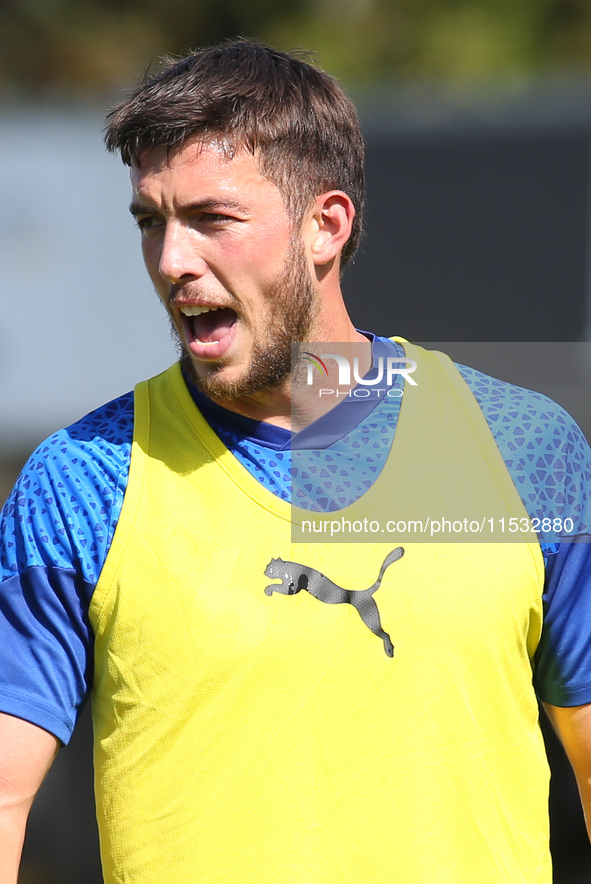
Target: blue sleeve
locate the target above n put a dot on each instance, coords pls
(46, 656)
(55, 530)
(563, 660)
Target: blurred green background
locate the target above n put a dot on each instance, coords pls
(81, 47)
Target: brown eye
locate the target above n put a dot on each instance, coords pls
(214, 218)
(146, 222)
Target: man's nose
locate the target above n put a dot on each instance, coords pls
(180, 256)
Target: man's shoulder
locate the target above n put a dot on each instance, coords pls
(64, 506)
(98, 443)
(514, 410)
(518, 411)
(543, 447)
(111, 423)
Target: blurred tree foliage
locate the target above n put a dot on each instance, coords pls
(57, 47)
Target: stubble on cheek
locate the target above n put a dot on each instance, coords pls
(291, 310)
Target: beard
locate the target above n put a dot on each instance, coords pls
(291, 309)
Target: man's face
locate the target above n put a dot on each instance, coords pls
(224, 258)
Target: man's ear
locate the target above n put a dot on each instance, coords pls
(329, 225)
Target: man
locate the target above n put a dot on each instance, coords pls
(321, 737)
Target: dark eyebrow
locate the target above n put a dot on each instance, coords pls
(138, 209)
(209, 205)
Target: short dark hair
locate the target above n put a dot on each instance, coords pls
(294, 115)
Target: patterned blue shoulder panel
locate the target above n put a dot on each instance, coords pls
(63, 510)
(545, 450)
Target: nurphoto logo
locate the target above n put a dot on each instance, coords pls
(386, 370)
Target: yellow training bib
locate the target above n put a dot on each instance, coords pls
(251, 724)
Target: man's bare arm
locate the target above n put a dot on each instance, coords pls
(26, 753)
(573, 726)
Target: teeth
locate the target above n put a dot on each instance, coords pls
(194, 310)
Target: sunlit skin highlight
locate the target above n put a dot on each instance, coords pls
(216, 233)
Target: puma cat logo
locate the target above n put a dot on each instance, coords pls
(295, 577)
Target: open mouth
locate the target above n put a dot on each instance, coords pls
(208, 325)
